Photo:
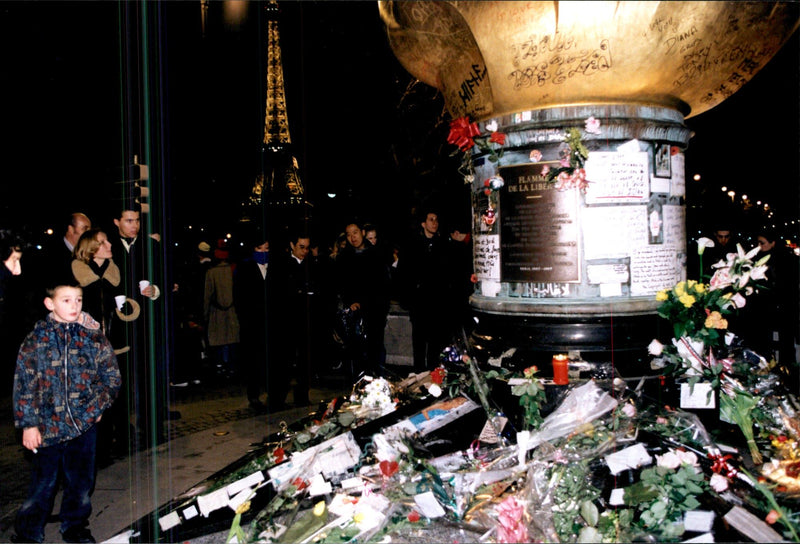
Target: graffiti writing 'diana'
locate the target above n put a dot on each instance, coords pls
(559, 67)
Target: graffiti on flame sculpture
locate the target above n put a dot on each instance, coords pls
(496, 58)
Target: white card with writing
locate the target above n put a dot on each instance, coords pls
(612, 232)
(250, 481)
(488, 434)
(213, 501)
(617, 177)
(700, 396)
(632, 457)
(428, 505)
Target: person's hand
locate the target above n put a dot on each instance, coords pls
(31, 438)
(458, 236)
(355, 306)
(148, 291)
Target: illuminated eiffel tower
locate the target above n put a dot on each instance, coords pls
(278, 186)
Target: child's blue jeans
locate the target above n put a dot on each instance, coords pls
(76, 459)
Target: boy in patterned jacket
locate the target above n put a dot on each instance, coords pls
(66, 377)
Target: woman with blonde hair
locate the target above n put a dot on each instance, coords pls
(103, 298)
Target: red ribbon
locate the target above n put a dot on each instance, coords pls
(720, 464)
(462, 133)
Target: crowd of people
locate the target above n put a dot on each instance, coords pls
(94, 365)
(283, 314)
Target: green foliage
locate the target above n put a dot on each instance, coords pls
(531, 396)
(662, 495)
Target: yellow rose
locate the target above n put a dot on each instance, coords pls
(716, 321)
(700, 288)
(691, 283)
(687, 300)
(661, 296)
(680, 289)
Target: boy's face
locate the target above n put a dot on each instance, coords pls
(66, 304)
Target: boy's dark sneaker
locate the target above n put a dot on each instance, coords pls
(77, 534)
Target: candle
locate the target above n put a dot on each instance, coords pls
(560, 370)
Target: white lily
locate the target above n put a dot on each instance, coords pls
(703, 243)
(758, 272)
(738, 300)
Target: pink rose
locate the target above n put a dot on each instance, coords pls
(718, 483)
(668, 460)
(687, 458)
(592, 126)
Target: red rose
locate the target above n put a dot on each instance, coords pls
(437, 375)
(473, 278)
(674, 150)
(498, 138)
(487, 191)
(487, 183)
(278, 454)
(413, 516)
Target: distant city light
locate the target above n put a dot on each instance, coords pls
(697, 177)
(724, 188)
(331, 195)
(744, 197)
(228, 236)
(49, 232)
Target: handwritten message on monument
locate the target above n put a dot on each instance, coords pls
(486, 256)
(617, 177)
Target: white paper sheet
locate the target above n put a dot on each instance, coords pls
(632, 457)
(428, 505)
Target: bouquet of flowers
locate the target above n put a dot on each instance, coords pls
(698, 314)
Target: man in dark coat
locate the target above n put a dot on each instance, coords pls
(425, 273)
(363, 284)
(145, 368)
(296, 294)
(253, 298)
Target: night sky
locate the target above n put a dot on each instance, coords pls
(359, 126)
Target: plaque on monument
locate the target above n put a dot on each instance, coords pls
(539, 228)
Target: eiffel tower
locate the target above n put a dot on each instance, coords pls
(277, 189)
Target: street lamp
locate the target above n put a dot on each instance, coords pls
(732, 194)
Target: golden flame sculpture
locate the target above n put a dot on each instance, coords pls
(496, 58)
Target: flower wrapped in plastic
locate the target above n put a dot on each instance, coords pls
(374, 396)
